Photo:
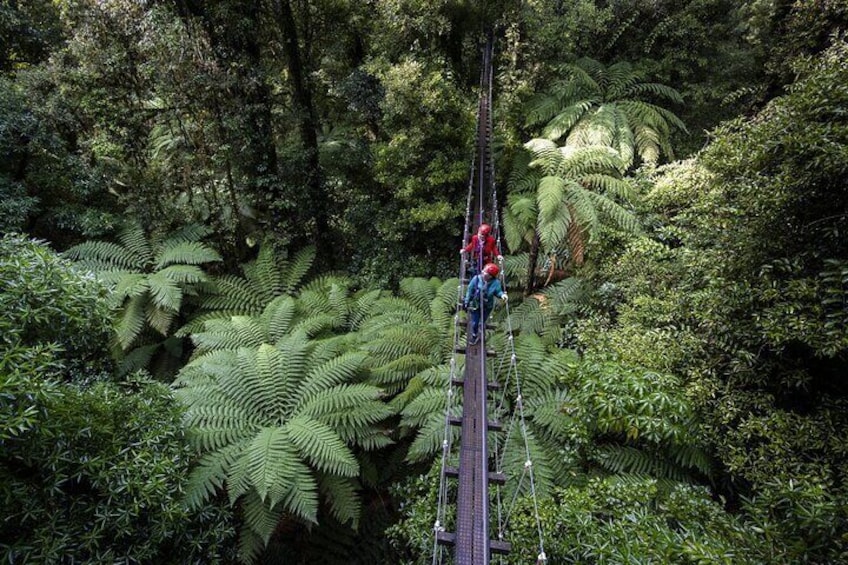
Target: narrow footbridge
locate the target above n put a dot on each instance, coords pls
(472, 540)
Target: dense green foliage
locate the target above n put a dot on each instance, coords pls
(93, 470)
(274, 422)
(45, 302)
(681, 340)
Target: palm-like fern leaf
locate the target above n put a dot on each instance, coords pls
(586, 109)
(150, 278)
(186, 253)
(277, 424)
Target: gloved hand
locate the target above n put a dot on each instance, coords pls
(504, 297)
(500, 258)
(462, 251)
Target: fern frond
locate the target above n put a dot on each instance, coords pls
(655, 89)
(614, 211)
(532, 317)
(393, 375)
(251, 544)
(190, 232)
(418, 411)
(515, 232)
(297, 269)
(260, 518)
(692, 457)
(207, 477)
(135, 241)
(343, 497)
(245, 378)
(541, 108)
(264, 275)
(549, 197)
(568, 295)
(184, 274)
(620, 78)
(567, 118)
(414, 387)
(302, 497)
(609, 185)
(522, 178)
(138, 358)
(577, 162)
(233, 294)
(347, 408)
(335, 371)
(295, 349)
(362, 308)
(314, 325)
(418, 291)
(325, 349)
(631, 460)
(428, 440)
(165, 292)
(102, 255)
(128, 285)
(131, 321)
(514, 465)
(278, 316)
(198, 323)
(321, 446)
(581, 205)
(553, 411)
(270, 472)
(186, 253)
(239, 331)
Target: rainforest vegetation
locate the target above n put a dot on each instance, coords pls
(229, 264)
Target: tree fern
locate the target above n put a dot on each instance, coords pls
(579, 189)
(267, 277)
(325, 307)
(278, 425)
(150, 278)
(599, 105)
(412, 333)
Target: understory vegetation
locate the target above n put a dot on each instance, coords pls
(229, 273)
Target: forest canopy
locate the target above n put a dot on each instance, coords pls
(229, 268)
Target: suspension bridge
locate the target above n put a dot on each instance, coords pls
(476, 531)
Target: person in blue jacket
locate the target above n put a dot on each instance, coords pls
(482, 290)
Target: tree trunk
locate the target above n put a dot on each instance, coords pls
(531, 264)
(308, 127)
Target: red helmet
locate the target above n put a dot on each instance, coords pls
(491, 269)
(484, 229)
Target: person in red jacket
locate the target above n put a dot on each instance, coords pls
(483, 249)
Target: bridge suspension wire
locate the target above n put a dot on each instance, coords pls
(528, 462)
(471, 542)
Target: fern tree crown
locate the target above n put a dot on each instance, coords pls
(610, 106)
(278, 426)
(150, 277)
